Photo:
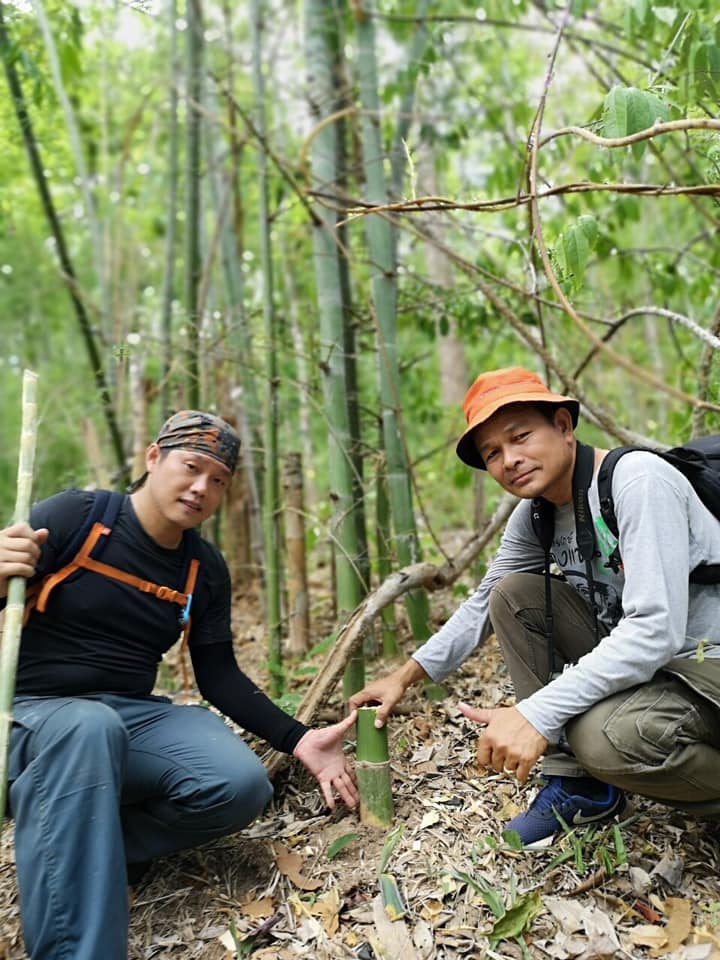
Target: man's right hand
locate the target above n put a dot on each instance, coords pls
(19, 552)
(388, 691)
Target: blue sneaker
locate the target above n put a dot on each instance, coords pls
(540, 820)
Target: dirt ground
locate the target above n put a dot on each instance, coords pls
(280, 890)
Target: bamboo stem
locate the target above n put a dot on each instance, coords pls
(298, 601)
(16, 585)
(373, 771)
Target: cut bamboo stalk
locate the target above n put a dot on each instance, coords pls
(16, 585)
(372, 766)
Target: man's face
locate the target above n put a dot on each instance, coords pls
(526, 454)
(186, 487)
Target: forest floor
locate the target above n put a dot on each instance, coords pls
(281, 889)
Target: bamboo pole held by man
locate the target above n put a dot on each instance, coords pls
(16, 585)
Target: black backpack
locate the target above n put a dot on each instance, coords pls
(698, 460)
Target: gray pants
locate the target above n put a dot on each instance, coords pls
(660, 739)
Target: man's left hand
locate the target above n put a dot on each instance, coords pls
(509, 743)
(321, 752)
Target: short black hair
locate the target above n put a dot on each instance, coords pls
(548, 409)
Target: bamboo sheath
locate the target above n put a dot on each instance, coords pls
(372, 768)
(16, 585)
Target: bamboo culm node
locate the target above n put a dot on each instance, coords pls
(373, 771)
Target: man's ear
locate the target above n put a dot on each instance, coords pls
(152, 456)
(563, 420)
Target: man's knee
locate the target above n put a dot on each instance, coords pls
(591, 746)
(515, 592)
(233, 797)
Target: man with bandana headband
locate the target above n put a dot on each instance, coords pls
(103, 775)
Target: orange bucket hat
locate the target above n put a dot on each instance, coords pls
(497, 389)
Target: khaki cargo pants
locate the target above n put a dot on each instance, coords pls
(660, 739)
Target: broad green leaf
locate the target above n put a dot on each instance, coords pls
(614, 119)
(578, 242)
(704, 68)
(627, 110)
(518, 918)
(339, 844)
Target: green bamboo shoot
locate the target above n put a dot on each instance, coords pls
(16, 585)
(372, 766)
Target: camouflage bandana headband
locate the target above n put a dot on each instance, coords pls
(202, 432)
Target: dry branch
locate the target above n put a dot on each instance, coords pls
(426, 575)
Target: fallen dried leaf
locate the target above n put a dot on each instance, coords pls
(678, 926)
(393, 939)
(289, 865)
(670, 869)
(258, 908)
(640, 881)
(645, 910)
(569, 913)
(646, 935)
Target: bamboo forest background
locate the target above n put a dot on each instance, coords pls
(323, 219)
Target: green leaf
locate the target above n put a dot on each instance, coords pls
(518, 918)
(392, 901)
(704, 68)
(391, 841)
(512, 839)
(338, 845)
(578, 242)
(614, 117)
(627, 110)
(492, 899)
(620, 849)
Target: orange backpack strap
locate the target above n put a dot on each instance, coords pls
(85, 561)
(52, 580)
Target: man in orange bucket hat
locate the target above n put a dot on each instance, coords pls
(610, 693)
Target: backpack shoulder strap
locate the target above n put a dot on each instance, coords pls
(100, 519)
(584, 528)
(605, 475)
(104, 509)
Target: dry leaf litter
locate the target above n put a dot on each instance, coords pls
(649, 889)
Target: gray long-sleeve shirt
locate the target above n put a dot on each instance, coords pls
(653, 611)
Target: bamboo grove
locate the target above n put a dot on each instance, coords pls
(321, 219)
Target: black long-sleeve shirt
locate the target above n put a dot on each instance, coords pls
(101, 635)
